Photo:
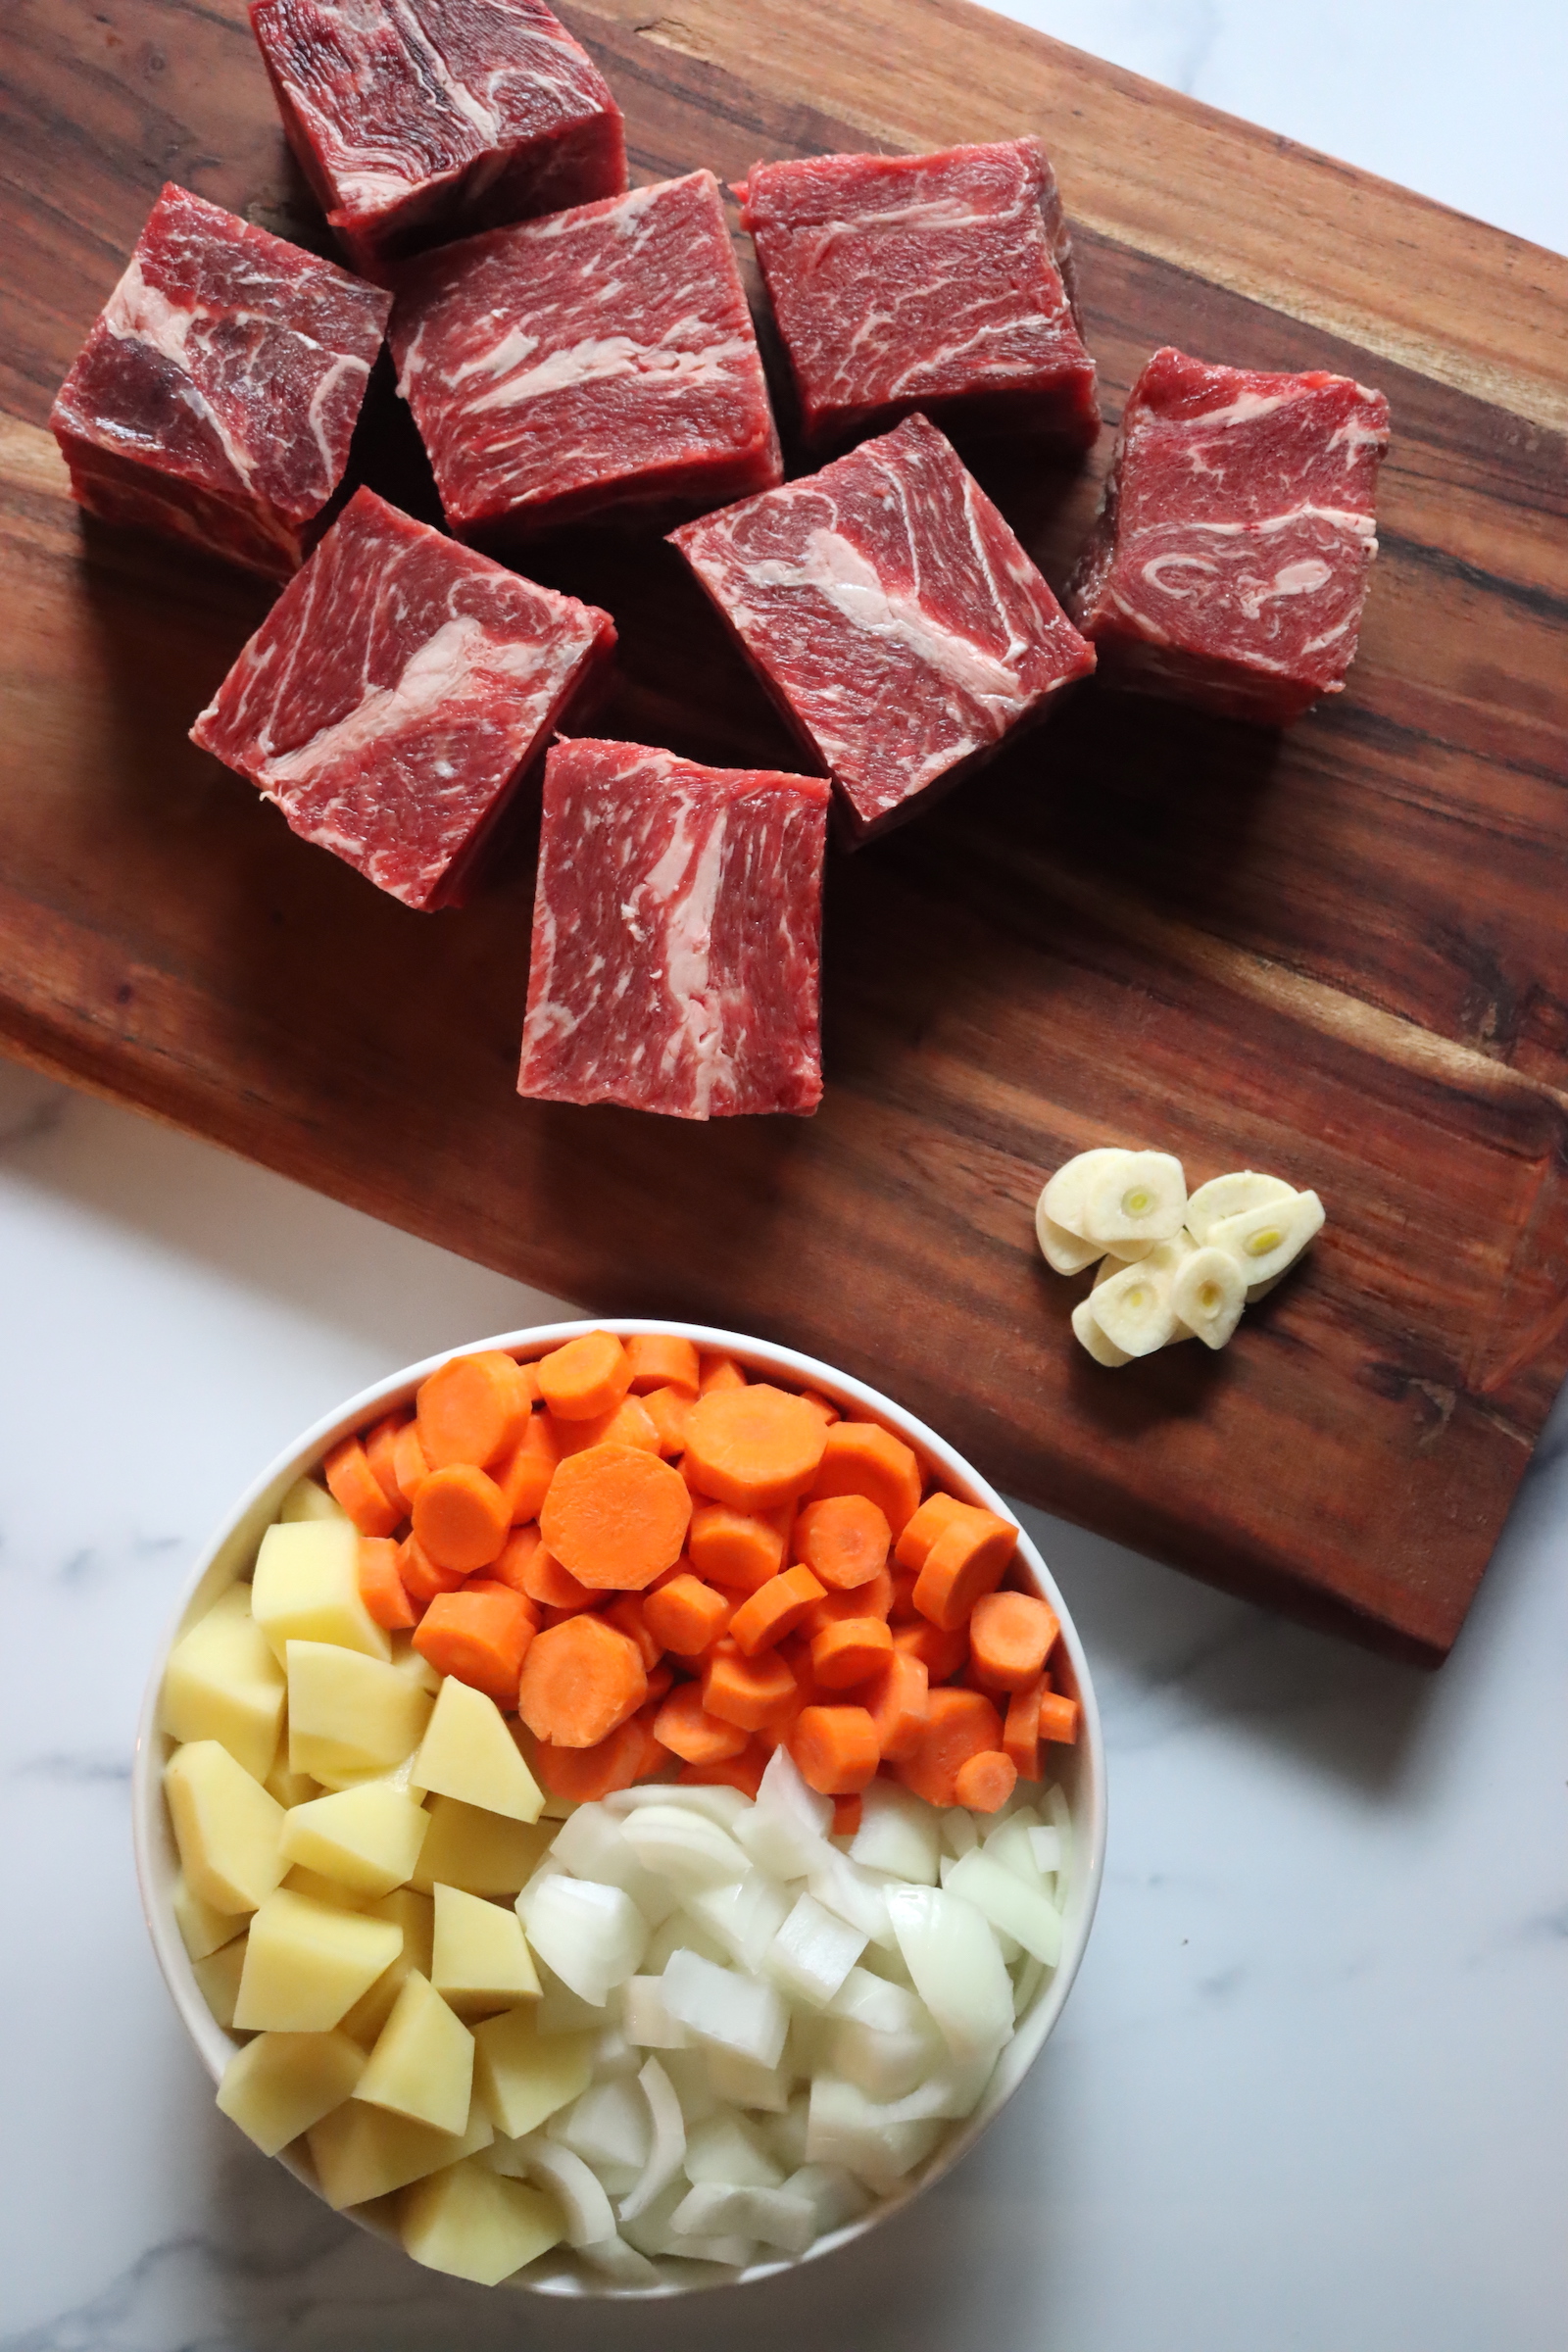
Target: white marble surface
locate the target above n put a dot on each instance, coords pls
(1310, 2093)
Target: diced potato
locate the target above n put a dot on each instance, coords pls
(223, 1683)
(289, 1787)
(368, 1839)
(481, 1961)
(305, 1499)
(348, 1714)
(414, 1664)
(468, 1752)
(228, 1829)
(524, 2075)
(415, 1914)
(423, 2062)
(217, 1980)
(308, 1963)
(481, 1852)
(307, 1588)
(202, 1930)
(299, 1881)
(470, 2222)
(362, 2152)
(281, 2084)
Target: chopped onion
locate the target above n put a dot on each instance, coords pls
(842, 1885)
(957, 1832)
(607, 2126)
(813, 1952)
(684, 1848)
(835, 2196)
(615, 2053)
(620, 2262)
(584, 2205)
(741, 2082)
(949, 2091)
(688, 2073)
(957, 1970)
(1012, 1907)
(667, 2147)
(651, 2233)
(787, 1827)
(593, 1845)
(845, 2128)
(725, 2148)
(885, 2064)
(784, 2135)
(648, 2022)
(1046, 1847)
(874, 2001)
(716, 2207)
(719, 2004)
(899, 1832)
(743, 1917)
(716, 1802)
(593, 1936)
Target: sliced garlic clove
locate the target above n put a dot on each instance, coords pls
(1062, 1200)
(1089, 1335)
(1068, 1251)
(1260, 1290)
(1161, 1258)
(1231, 1197)
(1134, 1309)
(1265, 1241)
(1141, 1197)
(1209, 1293)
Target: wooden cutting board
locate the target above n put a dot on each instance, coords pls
(1341, 954)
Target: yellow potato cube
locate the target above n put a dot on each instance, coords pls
(524, 2075)
(415, 1914)
(223, 1683)
(289, 1787)
(308, 1963)
(362, 2152)
(481, 1961)
(368, 1839)
(305, 1499)
(228, 1829)
(299, 1881)
(281, 2084)
(218, 1980)
(306, 1587)
(473, 2223)
(349, 1714)
(202, 1930)
(468, 1752)
(423, 2062)
(414, 1664)
(481, 1852)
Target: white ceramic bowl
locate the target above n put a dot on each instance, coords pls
(1081, 1769)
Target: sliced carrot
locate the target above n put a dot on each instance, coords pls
(968, 1558)
(686, 1615)
(354, 1484)
(743, 1772)
(659, 1359)
(903, 1610)
(719, 1372)
(755, 1448)
(959, 1725)
(919, 1532)
(820, 1404)
(1010, 1638)
(943, 1655)
(381, 1587)
(472, 1410)
(460, 1518)
(861, 1457)
(985, 1782)
(739, 1549)
(844, 1539)
(847, 1812)
(660, 1679)
(627, 1615)
(745, 1691)
(668, 1410)
(1020, 1733)
(585, 1377)
(845, 1653)
(479, 1635)
(684, 1725)
(552, 1614)
(895, 1698)
(546, 1582)
(616, 1517)
(629, 1423)
(409, 1465)
(864, 1601)
(510, 1567)
(1059, 1717)
(524, 1476)
(835, 1749)
(584, 1775)
(380, 1452)
(581, 1679)
(773, 1610)
(423, 1578)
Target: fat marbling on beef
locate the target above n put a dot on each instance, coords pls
(940, 282)
(892, 613)
(1228, 564)
(397, 691)
(420, 119)
(604, 359)
(216, 395)
(676, 935)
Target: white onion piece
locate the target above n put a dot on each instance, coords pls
(680, 1933)
(559, 2010)
(685, 1848)
(615, 2053)
(667, 2147)
(787, 1827)
(1059, 1816)
(874, 2001)
(593, 1845)
(584, 2206)
(593, 1936)
(651, 2233)
(884, 2066)
(784, 2135)
(607, 2126)
(842, 1885)
(716, 1802)
(812, 1953)
(648, 2022)
(744, 1916)
(1012, 1908)
(692, 2082)
(719, 2004)
(948, 2093)
(1012, 1846)
(957, 1830)
(1029, 1979)
(1045, 1846)
(957, 1970)
(845, 2128)
(717, 2208)
(725, 2148)
(899, 1832)
(741, 2082)
(621, 2263)
(546, 1869)
(834, 2195)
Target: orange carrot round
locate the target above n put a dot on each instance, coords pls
(862, 1600)
(847, 1813)
(969, 1557)
(525, 1474)
(903, 1610)
(510, 1566)
(744, 1690)
(959, 1725)
(835, 1749)
(755, 1448)
(380, 1452)
(460, 1518)
(739, 1549)
(719, 1372)
(820, 1404)
(845, 1653)
(580, 1681)
(985, 1782)
(472, 1410)
(859, 1457)
(423, 1578)
(923, 1529)
(410, 1467)
(546, 1582)
(616, 1517)
(662, 1678)
(942, 1654)
(584, 1775)
(685, 1615)
(1010, 1638)
(1059, 1717)
(381, 1587)
(743, 1772)
(480, 1635)
(668, 1410)
(628, 1423)
(1020, 1731)
(895, 1699)
(773, 1610)
(585, 1377)
(354, 1484)
(684, 1725)
(660, 1360)
(844, 1539)
(628, 1615)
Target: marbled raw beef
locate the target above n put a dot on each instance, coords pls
(420, 120)
(397, 693)
(892, 613)
(940, 282)
(1228, 564)
(676, 935)
(216, 395)
(600, 360)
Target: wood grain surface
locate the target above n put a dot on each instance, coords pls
(1339, 953)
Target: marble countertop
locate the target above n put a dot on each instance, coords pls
(1311, 2089)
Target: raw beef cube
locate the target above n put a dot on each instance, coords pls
(601, 359)
(216, 395)
(676, 935)
(1228, 564)
(892, 613)
(940, 282)
(395, 695)
(431, 119)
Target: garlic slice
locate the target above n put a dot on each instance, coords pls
(1089, 1335)
(1267, 1240)
(1231, 1197)
(1134, 1307)
(1209, 1293)
(1068, 1253)
(1062, 1200)
(1140, 1196)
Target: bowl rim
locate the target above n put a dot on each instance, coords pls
(229, 1549)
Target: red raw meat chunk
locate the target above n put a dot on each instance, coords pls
(676, 935)
(940, 282)
(216, 395)
(1228, 564)
(604, 359)
(395, 695)
(893, 615)
(431, 119)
